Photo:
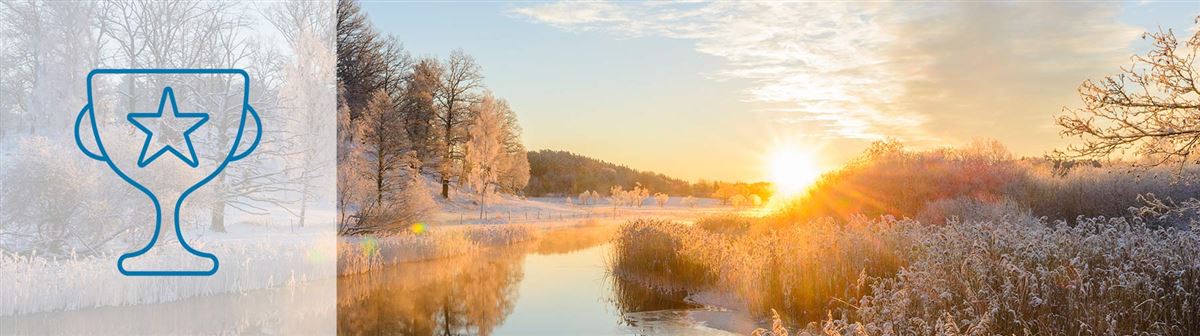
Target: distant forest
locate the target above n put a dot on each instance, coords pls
(562, 173)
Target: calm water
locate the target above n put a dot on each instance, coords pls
(556, 287)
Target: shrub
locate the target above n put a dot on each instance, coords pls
(729, 224)
(647, 249)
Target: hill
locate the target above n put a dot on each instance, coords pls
(553, 172)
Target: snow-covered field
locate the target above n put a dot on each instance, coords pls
(461, 209)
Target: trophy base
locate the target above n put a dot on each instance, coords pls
(161, 260)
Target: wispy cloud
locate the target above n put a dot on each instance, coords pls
(926, 73)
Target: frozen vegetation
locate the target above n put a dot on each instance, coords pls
(360, 254)
(878, 247)
(1013, 275)
(254, 260)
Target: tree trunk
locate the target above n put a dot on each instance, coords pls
(303, 208)
(445, 188)
(218, 205)
(218, 215)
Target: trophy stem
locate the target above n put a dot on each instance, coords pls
(167, 253)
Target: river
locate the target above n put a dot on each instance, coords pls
(556, 286)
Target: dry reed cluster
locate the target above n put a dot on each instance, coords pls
(1004, 275)
(360, 254)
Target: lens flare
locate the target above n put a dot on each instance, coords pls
(417, 228)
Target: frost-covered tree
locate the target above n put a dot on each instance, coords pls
(460, 79)
(638, 195)
(661, 199)
(585, 198)
(46, 49)
(308, 128)
(689, 201)
(384, 146)
(380, 188)
(419, 109)
(351, 185)
(485, 154)
(1151, 107)
(515, 174)
(616, 196)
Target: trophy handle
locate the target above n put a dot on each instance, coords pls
(241, 130)
(87, 110)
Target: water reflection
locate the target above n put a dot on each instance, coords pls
(468, 295)
(573, 239)
(631, 297)
(557, 285)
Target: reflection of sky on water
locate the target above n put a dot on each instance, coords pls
(557, 286)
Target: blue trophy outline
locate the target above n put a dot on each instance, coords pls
(232, 156)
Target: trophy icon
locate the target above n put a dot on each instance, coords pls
(167, 132)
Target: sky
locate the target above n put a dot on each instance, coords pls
(709, 90)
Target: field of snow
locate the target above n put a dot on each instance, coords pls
(462, 209)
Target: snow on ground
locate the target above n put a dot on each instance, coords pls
(462, 209)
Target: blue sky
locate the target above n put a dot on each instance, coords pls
(708, 90)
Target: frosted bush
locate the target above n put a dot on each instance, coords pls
(1016, 276)
(52, 204)
(970, 209)
(1001, 272)
(498, 235)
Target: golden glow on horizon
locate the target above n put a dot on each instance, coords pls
(792, 171)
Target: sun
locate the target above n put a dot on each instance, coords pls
(792, 171)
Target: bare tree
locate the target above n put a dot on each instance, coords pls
(460, 81)
(1151, 107)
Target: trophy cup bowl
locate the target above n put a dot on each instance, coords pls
(125, 124)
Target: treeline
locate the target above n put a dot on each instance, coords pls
(401, 118)
(559, 173)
